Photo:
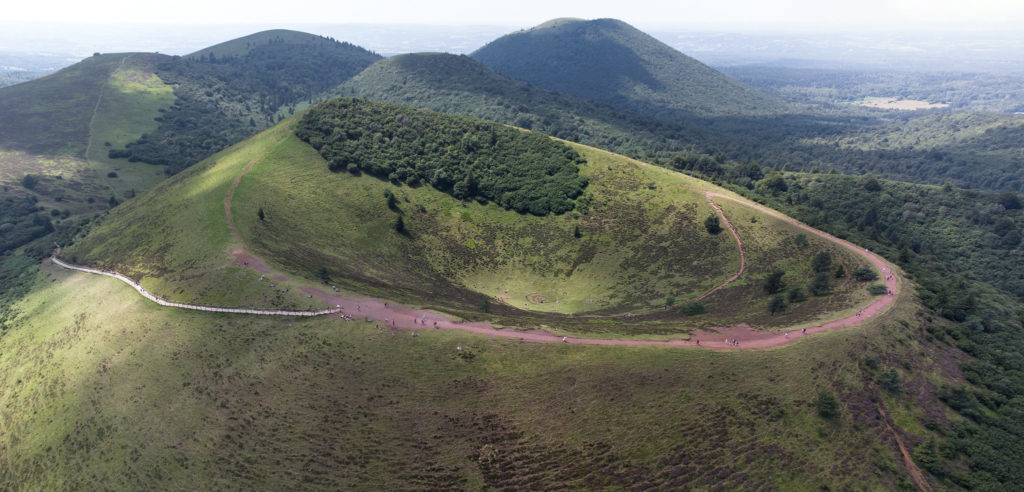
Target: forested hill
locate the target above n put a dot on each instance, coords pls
(461, 85)
(232, 90)
(610, 61)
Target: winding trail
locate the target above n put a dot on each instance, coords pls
(397, 317)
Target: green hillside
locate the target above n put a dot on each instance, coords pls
(232, 90)
(460, 85)
(54, 136)
(101, 388)
(636, 238)
(610, 61)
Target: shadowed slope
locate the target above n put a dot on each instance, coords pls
(610, 61)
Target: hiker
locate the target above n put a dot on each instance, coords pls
(698, 341)
(565, 339)
(787, 334)
(805, 331)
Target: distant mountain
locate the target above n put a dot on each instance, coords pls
(610, 61)
(461, 85)
(231, 90)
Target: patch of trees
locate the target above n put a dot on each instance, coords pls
(467, 158)
(21, 221)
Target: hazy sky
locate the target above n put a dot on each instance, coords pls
(648, 13)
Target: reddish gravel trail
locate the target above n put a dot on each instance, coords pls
(409, 318)
(395, 317)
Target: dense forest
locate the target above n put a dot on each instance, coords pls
(222, 100)
(468, 158)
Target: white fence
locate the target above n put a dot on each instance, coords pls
(135, 285)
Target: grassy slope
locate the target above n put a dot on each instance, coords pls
(196, 264)
(132, 98)
(642, 241)
(100, 389)
(608, 60)
(56, 127)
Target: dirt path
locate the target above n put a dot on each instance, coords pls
(739, 244)
(96, 109)
(908, 462)
(241, 256)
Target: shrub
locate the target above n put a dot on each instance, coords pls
(822, 261)
(878, 289)
(865, 274)
(29, 181)
(694, 308)
(776, 305)
(773, 282)
(827, 405)
(890, 381)
(796, 294)
(712, 225)
(820, 285)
